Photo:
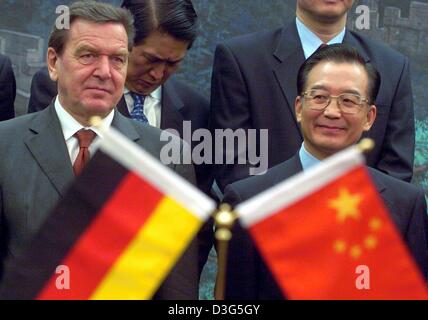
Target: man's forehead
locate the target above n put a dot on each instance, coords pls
(342, 76)
(162, 46)
(325, 69)
(84, 29)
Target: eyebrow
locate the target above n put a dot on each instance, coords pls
(87, 48)
(152, 56)
(317, 87)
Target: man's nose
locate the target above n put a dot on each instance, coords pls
(103, 68)
(333, 108)
(158, 71)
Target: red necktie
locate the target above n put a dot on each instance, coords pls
(85, 138)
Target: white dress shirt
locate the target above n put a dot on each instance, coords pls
(70, 126)
(310, 41)
(152, 105)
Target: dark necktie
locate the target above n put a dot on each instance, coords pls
(138, 111)
(85, 138)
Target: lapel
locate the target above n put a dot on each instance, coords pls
(122, 107)
(351, 40)
(46, 144)
(380, 186)
(124, 125)
(171, 118)
(293, 166)
(289, 55)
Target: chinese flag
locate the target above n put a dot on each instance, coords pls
(326, 234)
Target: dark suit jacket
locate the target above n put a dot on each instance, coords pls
(7, 89)
(35, 171)
(179, 103)
(254, 85)
(247, 275)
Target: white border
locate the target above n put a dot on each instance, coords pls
(145, 165)
(297, 187)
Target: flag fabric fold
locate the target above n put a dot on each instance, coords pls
(325, 234)
(119, 230)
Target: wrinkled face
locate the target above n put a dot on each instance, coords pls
(324, 9)
(91, 70)
(329, 131)
(152, 62)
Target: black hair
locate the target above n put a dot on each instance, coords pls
(174, 17)
(94, 12)
(339, 53)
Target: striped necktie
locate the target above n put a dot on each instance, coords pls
(138, 111)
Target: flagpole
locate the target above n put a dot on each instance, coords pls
(224, 220)
(365, 145)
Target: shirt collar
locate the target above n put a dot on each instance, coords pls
(306, 158)
(310, 41)
(70, 125)
(156, 94)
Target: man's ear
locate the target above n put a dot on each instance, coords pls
(371, 116)
(51, 61)
(298, 108)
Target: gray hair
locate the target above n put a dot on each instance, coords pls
(94, 12)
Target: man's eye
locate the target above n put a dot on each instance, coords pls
(173, 64)
(150, 59)
(118, 60)
(320, 98)
(87, 58)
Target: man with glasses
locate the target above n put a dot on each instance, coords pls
(335, 106)
(253, 87)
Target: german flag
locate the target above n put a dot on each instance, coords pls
(118, 232)
(325, 234)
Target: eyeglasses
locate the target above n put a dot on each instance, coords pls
(349, 103)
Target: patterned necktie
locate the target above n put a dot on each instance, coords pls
(85, 138)
(138, 111)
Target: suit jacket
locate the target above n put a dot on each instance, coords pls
(248, 276)
(35, 171)
(179, 103)
(254, 85)
(7, 89)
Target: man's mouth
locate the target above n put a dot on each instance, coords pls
(331, 128)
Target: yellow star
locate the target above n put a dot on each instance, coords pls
(355, 252)
(339, 246)
(346, 205)
(375, 224)
(370, 242)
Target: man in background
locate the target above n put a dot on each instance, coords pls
(7, 89)
(336, 104)
(42, 152)
(165, 31)
(253, 87)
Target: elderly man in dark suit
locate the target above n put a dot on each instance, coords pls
(42, 152)
(337, 90)
(253, 87)
(7, 89)
(165, 30)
